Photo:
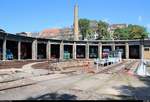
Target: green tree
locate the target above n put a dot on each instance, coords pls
(130, 32)
(102, 30)
(84, 26)
(121, 34)
(137, 32)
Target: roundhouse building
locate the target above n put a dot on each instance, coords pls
(24, 48)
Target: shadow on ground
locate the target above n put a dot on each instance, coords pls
(54, 96)
(138, 93)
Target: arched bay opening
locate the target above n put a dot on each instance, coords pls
(55, 50)
(11, 50)
(41, 53)
(134, 52)
(93, 51)
(26, 50)
(80, 51)
(68, 51)
(122, 49)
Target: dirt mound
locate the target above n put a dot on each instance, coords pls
(14, 64)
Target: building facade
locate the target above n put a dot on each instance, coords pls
(23, 47)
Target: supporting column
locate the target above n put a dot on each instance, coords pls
(34, 50)
(61, 51)
(74, 50)
(142, 51)
(100, 50)
(113, 47)
(87, 51)
(48, 50)
(127, 51)
(19, 50)
(4, 48)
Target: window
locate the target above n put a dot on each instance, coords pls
(146, 49)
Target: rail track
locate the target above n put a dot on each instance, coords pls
(108, 70)
(118, 67)
(113, 69)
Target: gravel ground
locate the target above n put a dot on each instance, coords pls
(63, 88)
(79, 86)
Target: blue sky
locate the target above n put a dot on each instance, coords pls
(36, 15)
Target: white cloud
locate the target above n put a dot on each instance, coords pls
(140, 18)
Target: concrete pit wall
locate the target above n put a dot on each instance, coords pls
(71, 64)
